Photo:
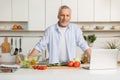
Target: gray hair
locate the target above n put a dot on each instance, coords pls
(64, 7)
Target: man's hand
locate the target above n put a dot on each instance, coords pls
(88, 52)
(33, 53)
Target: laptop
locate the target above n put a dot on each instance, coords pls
(103, 59)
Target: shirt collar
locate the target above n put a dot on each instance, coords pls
(58, 29)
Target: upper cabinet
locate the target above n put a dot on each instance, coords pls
(73, 5)
(102, 10)
(85, 10)
(37, 15)
(52, 7)
(5, 10)
(20, 10)
(13, 10)
(42, 13)
(115, 10)
(98, 10)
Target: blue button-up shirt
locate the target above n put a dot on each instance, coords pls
(52, 41)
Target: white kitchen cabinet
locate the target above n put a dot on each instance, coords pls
(37, 15)
(102, 10)
(85, 10)
(52, 7)
(5, 10)
(13, 10)
(73, 5)
(115, 10)
(20, 10)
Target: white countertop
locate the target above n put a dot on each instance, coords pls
(62, 74)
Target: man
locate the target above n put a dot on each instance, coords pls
(61, 39)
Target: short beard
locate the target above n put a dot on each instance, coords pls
(62, 25)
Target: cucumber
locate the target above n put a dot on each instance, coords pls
(58, 64)
(63, 64)
(50, 65)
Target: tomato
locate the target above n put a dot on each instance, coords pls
(34, 67)
(70, 63)
(76, 64)
(42, 67)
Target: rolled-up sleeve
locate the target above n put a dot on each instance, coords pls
(42, 44)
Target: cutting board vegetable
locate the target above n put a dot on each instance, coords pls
(63, 67)
(5, 46)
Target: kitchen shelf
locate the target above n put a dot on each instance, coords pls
(101, 30)
(38, 33)
(21, 31)
(43, 30)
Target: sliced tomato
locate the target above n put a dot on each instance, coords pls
(42, 67)
(34, 67)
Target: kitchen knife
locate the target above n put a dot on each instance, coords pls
(20, 42)
(16, 49)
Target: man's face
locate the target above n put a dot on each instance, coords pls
(64, 17)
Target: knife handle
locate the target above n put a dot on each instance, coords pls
(20, 42)
(11, 41)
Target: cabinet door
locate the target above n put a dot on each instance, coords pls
(85, 10)
(52, 7)
(36, 15)
(73, 5)
(115, 10)
(5, 10)
(102, 10)
(20, 10)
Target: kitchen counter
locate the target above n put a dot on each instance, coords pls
(62, 74)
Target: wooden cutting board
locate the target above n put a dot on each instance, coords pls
(5, 46)
(63, 67)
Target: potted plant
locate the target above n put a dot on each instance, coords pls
(113, 44)
(90, 39)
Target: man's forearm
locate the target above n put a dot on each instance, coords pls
(33, 53)
(88, 52)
